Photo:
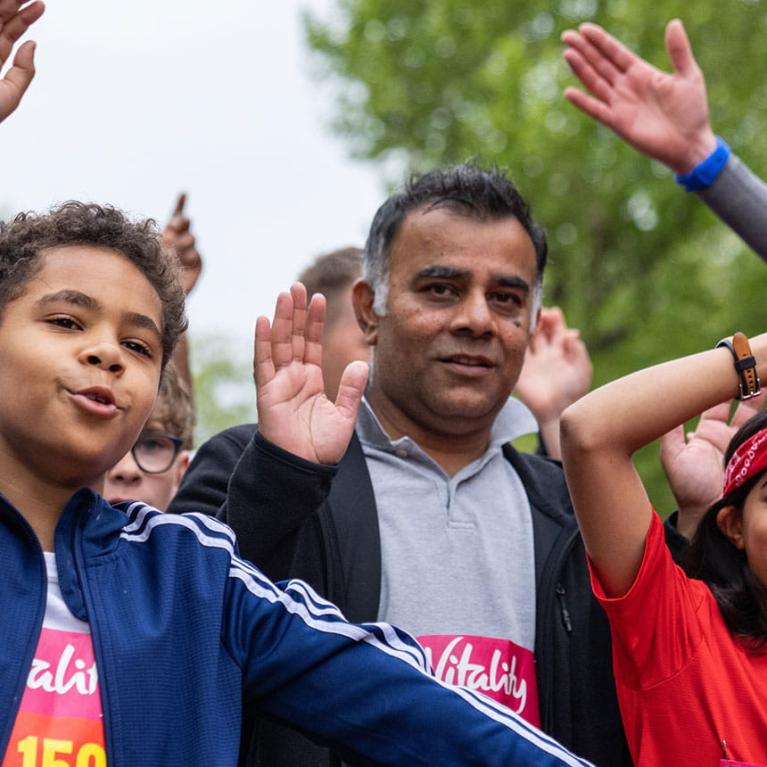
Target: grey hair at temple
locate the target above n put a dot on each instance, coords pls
(467, 190)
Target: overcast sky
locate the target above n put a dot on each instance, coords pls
(134, 101)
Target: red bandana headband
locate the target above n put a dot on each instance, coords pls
(747, 461)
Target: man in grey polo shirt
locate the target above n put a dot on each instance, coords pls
(418, 510)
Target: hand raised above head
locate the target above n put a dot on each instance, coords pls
(178, 237)
(664, 116)
(694, 465)
(16, 16)
(557, 369)
(293, 411)
(556, 373)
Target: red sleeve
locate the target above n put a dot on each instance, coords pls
(655, 625)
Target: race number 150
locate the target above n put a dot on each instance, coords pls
(59, 753)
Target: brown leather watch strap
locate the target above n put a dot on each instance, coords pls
(745, 365)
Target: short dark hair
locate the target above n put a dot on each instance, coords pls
(174, 407)
(23, 239)
(332, 273)
(466, 190)
(713, 558)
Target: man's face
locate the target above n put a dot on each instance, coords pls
(80, 358)
(450, 347)
(126, 481)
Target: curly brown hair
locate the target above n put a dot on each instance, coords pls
(174, 407)
(23, 240)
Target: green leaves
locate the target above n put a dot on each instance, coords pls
(640, 266)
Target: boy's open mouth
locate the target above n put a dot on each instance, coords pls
(96, 400)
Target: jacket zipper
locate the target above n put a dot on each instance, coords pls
(25, 664)
(564, 612)
(96, 639)
(549, 592)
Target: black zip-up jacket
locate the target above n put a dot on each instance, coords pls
(297, 519)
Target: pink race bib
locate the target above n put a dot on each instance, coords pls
(499, 668)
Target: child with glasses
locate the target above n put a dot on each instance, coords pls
(152, 469)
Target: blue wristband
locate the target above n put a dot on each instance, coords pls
(705, 173)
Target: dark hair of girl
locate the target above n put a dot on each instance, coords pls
(713, 558)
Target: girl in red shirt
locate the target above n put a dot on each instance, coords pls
(690, 642)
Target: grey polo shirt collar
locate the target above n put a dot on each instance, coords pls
(514, 420)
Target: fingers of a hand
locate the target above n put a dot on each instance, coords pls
(315, 322)
(183, 244)
(282, 331)
(351, 388)
(557, 325)
(298, 342)
(600, 63)
(178, 223)
(9, 8)
(180, 202)
(610, 48)
(17, 25)
(715, 433)
(671, 444)
(597, 84)
(720, 412)
(20, 75)
(747, 409)
(573, 345)
(577, 354)
(590, 106)
(679, 50)
(263, 367)
(539, 338)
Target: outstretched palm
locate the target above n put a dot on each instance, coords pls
(662, 115)
(15, 18)
(293, 411)
(694, 466)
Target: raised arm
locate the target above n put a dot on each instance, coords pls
(16, 16)
(177, 236)
(602, 431)
(665, 116)
(365, 690)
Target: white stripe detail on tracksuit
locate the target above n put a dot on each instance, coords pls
(214, 525)
(323, 616)
(137, 512)
(388, 632)
(339, 627)
(502, 715)
(321, 609)
(182, 521)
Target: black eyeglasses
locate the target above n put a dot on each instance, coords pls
(155, 453)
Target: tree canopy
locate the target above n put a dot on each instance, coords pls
(641, 267)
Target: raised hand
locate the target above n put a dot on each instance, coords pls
(556, 373)
(293, 411)
(664, 116)
(178, 237)
(694, 466)
(16, 16)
